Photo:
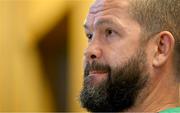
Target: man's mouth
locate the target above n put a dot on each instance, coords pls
(97, 73)
(98, 76)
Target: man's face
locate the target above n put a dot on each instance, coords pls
(115, 63)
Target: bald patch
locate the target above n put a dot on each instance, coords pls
(101, 5)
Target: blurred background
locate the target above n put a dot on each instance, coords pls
(41, 52)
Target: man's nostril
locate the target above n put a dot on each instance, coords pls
(93, 56)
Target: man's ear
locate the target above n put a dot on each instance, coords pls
(164, 47)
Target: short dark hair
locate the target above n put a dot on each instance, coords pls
(155, 16)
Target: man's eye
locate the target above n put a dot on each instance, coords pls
(109, 32)
(89, 36)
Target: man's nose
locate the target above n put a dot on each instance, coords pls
(93, 51)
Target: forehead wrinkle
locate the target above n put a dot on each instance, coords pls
(101, 5)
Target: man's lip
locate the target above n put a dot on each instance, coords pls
(97, 72)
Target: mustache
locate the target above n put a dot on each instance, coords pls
(96, 66)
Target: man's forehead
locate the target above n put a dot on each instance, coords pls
(98, 9)
(100, 5)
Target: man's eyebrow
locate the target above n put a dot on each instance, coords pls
(103, 22)
(86, 26)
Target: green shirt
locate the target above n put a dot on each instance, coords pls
(171, 110)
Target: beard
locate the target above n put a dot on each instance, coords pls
(120, 90)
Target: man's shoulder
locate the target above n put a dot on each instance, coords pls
(171, 110)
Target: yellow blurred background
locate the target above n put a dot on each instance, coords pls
(41, 52)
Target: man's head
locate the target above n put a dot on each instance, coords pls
(130, 43)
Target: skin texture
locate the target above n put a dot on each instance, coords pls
(114, 37)
(108, 49)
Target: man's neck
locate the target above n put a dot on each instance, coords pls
(161, 96)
